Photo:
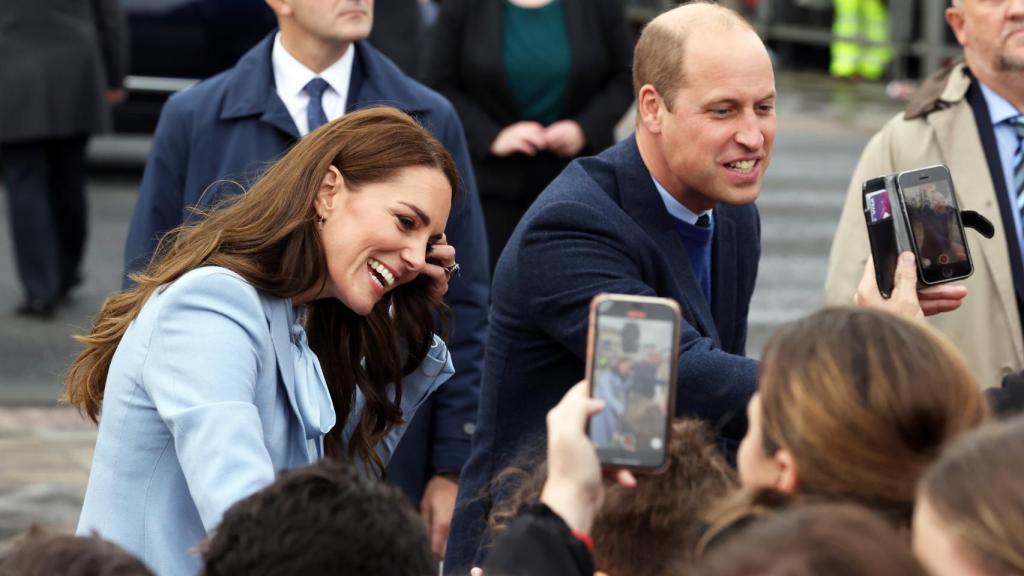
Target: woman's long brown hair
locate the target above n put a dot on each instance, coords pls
(864, 401)
(269, 236)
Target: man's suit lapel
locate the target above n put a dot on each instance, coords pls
(724, 255)
(373, 84)
(995, 202)
(640, 199)
(252, 91)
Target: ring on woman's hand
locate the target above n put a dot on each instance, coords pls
(451, 269)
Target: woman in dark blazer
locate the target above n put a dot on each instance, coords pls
(536, 84)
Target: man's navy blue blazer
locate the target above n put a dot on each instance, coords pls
(234, 125)
(601, 226)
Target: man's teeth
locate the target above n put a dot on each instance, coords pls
(386, 274)
(742, 165)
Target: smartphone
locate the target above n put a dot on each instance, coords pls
(632, 365)
(932, 216)
(881, 233)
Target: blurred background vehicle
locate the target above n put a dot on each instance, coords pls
(176, 43)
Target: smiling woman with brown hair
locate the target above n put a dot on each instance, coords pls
(204, 374)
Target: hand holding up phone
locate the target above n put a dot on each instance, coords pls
(574, 488)
(906, 299)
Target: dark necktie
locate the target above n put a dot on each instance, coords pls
(703, 221)
(315, 111)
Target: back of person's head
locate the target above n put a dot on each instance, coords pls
(859, 403)
(660, 51)
(654, 528)
(324, 519)
(737, 510)
(651, 528)
(970, 510)
(838, 540)
(43, 553)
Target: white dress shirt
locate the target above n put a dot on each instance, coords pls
(291, 77)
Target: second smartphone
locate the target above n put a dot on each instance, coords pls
(632, 365)
(932, 215)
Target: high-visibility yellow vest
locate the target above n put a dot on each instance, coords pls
(861, 35)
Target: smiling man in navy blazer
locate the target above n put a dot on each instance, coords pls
(230, 127)
(668, 212)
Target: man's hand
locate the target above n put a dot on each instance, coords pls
(906, 300)
(565, 138)
(522, 137)
(437, 508)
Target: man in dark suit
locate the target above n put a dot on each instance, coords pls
(668, 212)
(226, 129)
(63, 63)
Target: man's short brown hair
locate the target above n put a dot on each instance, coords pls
(659, 54)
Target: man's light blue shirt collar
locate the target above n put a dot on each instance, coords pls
(999, 109)
(676, 208)
(1001, 112)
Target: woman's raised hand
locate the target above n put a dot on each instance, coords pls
(440, 266)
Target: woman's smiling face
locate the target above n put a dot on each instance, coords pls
(377, 237)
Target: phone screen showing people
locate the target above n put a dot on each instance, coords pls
(633, 372)
(934, 220)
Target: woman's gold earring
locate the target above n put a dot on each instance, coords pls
(320, 219)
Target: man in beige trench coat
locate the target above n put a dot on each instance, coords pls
(963, 117)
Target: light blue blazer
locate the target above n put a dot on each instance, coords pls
(211, 392)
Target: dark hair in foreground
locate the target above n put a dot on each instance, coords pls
(838, 540)
(41, 553)
(270, 237)
(864, 401)
(653, 528)
(976, 491)
(738, 510)
(321, 520)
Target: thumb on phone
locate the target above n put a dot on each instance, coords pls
(904, 294)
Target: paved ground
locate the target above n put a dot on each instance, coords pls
(45, 454)
(45, 450)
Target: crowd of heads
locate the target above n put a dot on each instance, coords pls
(870, 451)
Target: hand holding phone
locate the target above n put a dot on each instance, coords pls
(632, 365)
(574, 487)
(917, 211)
